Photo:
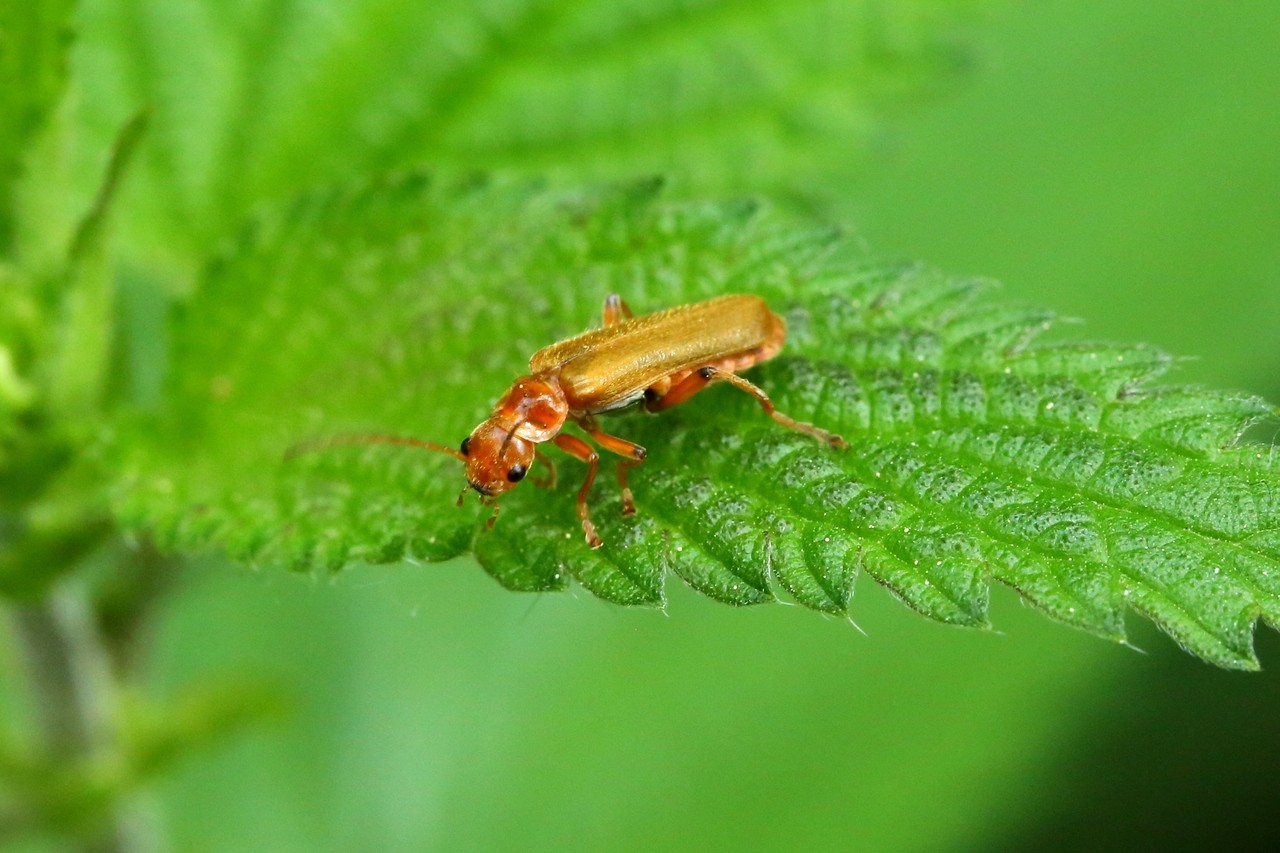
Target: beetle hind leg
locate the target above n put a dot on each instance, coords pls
(704, 376)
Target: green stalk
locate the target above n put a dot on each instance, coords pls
(74, 695)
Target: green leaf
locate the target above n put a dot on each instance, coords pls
(261, 100)
(76, 375)
(978, 453)
(34, 40)
(51, 496)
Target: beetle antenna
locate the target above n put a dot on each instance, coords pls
(340, 440)
(502, 451)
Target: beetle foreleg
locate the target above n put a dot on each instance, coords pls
(632, 455)
(704, 376)
(578, 448)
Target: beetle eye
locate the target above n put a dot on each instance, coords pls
(466, 446)
(516, 474)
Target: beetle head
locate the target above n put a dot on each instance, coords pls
(496, 458)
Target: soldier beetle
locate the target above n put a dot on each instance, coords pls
(660, 360)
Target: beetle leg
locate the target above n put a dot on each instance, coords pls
(578, 448)
(549, 481)
(657, 398)
(615, 310)
(704, 376)
(632, 455)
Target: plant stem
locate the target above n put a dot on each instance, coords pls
(75, 693)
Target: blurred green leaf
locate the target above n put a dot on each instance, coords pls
(34, 41)
(259, 100)
(80, 353)
(51, 494)
(51, 796)
(978, 453)
(157, 736)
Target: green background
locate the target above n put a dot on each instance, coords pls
(1117, 162)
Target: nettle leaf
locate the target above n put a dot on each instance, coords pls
(259, 100)
(34, 39)
(979, 452)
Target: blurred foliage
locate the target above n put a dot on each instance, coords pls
(258, 100)
(34, 42)
(52, 493)
(1117, 163)
(74, 797)
(1115, 155)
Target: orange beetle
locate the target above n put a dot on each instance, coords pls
(661, 359)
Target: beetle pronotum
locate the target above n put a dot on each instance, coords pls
(660, 359)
